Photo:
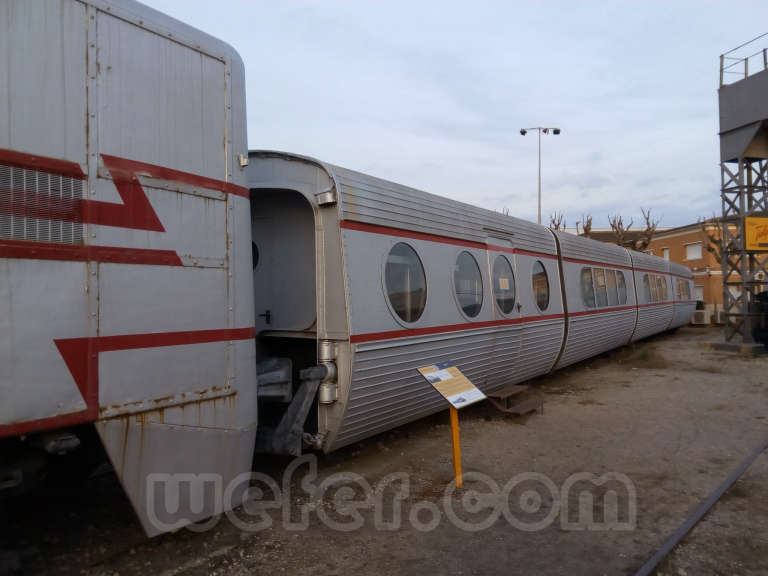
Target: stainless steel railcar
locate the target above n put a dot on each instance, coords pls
(376, 279)
(136, 267)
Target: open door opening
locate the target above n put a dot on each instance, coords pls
(283, 236)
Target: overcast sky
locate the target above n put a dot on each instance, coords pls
(433, 94)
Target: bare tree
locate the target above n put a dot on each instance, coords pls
(713, 230)
(584, 226)
(644, 240)
(557, 221)
(619, 229)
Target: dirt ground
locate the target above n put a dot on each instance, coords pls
(671, 417)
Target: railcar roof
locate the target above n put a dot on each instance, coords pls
(588, 250)
(378, 202)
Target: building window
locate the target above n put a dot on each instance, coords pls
(693, 251)
(540, 285)
(699, 293)
(405, 282)
(587, 288)
(665, 253)
(468, 284)
(504, 284)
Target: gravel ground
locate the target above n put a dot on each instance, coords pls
(668, 418)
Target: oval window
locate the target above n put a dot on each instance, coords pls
(503, 284)
(468, 284)
(405, 282)
(540, 285)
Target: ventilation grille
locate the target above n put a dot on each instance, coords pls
(30, 202)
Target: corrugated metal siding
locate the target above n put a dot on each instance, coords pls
(683, 314)
(652, 320)
(581, 248)
(648, 262)
(676, 268)
(596, 333)
(387, 391)
(375, 201)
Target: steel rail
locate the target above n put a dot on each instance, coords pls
(702, 509)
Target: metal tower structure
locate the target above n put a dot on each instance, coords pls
(743, 102)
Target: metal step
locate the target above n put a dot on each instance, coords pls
(508, 400)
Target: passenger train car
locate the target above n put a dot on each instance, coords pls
(181, 302)
(382, 279)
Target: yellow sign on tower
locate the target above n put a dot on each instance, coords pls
(756, 230)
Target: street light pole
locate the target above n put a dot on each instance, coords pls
(540, 129)
(539, 175)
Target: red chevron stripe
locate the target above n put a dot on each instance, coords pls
(81, 355)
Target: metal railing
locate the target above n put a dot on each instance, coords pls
(734, 67)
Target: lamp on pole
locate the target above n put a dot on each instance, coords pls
(540, 129)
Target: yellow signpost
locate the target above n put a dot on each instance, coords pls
(756, 233)
(460, 393)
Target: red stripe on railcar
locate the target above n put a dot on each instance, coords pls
(81, 355)
(428, 330)
(402, 233)
(135, 212)
(134, 168)
(41, 163)
(596, 263)
(22, 249)
(602, 310)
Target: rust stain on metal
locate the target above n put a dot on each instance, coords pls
(126, 424)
